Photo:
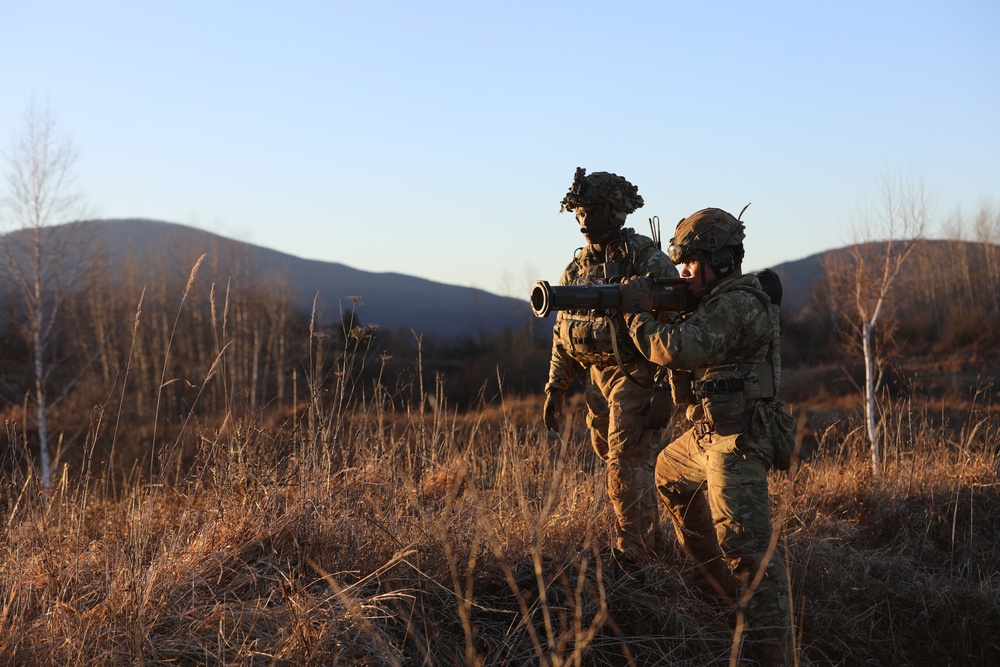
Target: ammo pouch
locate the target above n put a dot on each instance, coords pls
(588, 338)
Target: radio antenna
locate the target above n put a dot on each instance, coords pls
(654, 230)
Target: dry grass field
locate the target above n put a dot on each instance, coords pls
(365, 532)
(232, 488)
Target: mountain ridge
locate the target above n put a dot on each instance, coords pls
(390, 300)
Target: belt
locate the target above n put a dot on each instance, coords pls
(718, 386)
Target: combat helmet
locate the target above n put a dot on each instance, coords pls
(712, 234)
(602, 186)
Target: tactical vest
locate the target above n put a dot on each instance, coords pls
(589, 337)
(724, 392)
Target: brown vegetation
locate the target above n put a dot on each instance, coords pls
(236, 484)
(399, 537)
(373, 522)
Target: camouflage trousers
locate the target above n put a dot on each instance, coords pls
(617, 409)
(715, 490)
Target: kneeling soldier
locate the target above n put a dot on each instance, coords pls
(725, 366)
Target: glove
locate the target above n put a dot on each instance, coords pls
(553, 410)
(637, 295)
(661, 408)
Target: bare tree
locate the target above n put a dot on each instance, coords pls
(987, 228)
(40, 191)
(885, 236)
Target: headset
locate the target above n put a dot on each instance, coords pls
(725, 260)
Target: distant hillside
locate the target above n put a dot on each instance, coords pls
(391, 300)
(798, 277)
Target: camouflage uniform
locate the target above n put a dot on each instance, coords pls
(725, 366)
(617, 407)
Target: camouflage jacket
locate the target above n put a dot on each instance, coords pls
(583, 338)
(728, 346)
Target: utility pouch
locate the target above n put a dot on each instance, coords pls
(724, 402)
(727, 412)
(782, 435)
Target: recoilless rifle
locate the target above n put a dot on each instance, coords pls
(669, 295)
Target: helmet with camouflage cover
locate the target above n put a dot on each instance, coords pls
(707, 233)
(602, 187)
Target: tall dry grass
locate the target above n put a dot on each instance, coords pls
(365, 531)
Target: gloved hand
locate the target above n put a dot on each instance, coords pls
(552, 411)
(661, 407)
(637, 295)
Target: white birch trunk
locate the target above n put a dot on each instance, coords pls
(38, 348)
(870, 412)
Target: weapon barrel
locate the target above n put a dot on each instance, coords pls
(669, 294)
(545, 298)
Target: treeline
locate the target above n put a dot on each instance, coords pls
(947, 299)
(166, 343)
(170, 342)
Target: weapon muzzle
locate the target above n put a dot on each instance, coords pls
(541, 298)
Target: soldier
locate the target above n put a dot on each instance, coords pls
(625, 405)
(725, 366)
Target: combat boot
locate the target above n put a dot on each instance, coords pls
(623, 564)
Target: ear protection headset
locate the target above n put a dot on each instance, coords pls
(723, 261)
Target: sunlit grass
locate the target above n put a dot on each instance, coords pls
(401, 536)
(361, 528)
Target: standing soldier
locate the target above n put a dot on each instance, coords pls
(725, 366)
(625, 406)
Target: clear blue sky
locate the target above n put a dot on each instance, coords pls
(437, 138)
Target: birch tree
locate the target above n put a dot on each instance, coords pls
(40, 191)
(885, 236)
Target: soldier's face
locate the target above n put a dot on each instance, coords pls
(697, 273)
(595, 222)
